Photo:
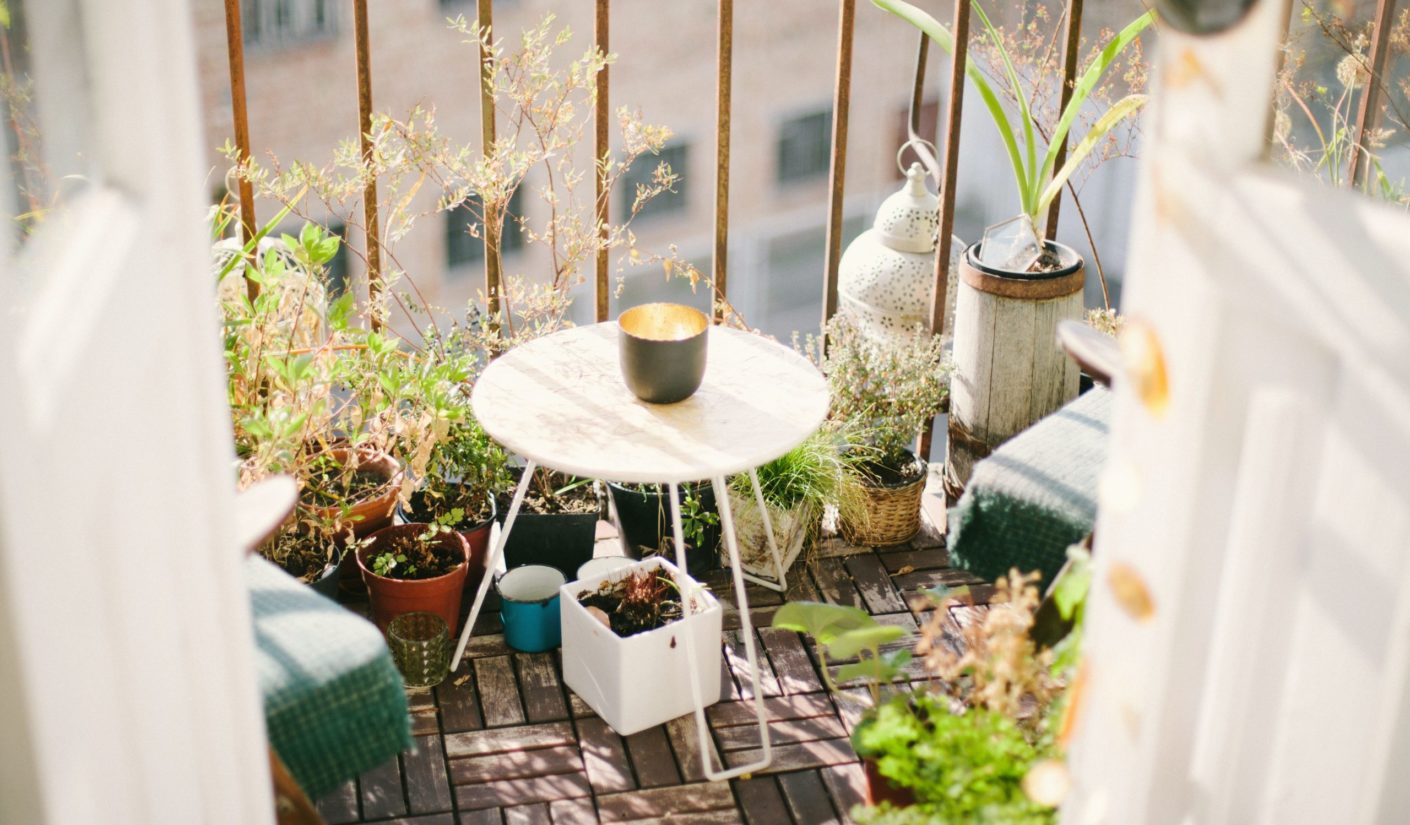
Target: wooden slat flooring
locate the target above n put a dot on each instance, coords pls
(503, 742)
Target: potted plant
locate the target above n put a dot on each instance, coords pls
(353, 488)
(414, 568)
(644, 516)
(797, 488)
(841, 633)
(883, 394)
(625, 648)
(557, 523)
(1014, 287)
(309, 552)
(465, 473)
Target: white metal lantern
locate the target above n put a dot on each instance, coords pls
(887, 274)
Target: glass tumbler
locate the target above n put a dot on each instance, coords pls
(420, 644)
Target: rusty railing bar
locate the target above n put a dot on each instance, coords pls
(1072, 43)
(951, 151)
(725, 61)
(837, 172)
(602, 148)
(1366, 113)
(917, 142)
(485, 20)
(235, 49)
(369, 193)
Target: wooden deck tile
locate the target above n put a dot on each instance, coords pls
(835, 584)
(798, 755)
(501, 740)
(605, 757)
(743, 737)
(339, 806)
(847, 785)
(738, 659)
(427, 785)
(516, 764)
(661, 802)
(791, 662)
(446, 818)
(541, 687)
(512, 792)
(912, 560)
(573, 812)
(577, 707)
(759, 616)
(836, 546)
(382, 792)
(499, 692)
(761, 801)
(686, 743)
(483, 816)
(850, 711)
(724, 816)
(807, 798)
(875, 584)
(800, 706)
(528, 815)
(652, 757)
(456, 696)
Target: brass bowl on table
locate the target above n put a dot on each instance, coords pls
(663, 349)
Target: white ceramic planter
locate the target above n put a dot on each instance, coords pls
(790, 532)
(643, 680)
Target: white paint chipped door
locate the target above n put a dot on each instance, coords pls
(127, 690)
(1265, 505)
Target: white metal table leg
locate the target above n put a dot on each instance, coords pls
(492, 563)
(779, 572)
(702, 729)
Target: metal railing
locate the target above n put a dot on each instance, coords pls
(943, 170)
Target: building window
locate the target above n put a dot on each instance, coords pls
(804, 146)
(643, 172)
(462, 248)
(275, 23)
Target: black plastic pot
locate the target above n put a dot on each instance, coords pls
(564, 541)
(645, 519)
(327, 582)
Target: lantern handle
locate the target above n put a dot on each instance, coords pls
(926, 151)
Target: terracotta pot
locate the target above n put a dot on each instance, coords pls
(880, 789)
(375, 512)
(392, 597)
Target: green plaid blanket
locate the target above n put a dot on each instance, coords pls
(1035, 495)
(333, 700)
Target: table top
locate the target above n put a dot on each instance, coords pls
(561, 401)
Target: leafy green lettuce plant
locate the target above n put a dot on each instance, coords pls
(1036, 174)
(843, 632)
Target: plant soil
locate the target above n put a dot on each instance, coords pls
(430, 558)
(542, 496)
(424, 507)
(299, 556)
(1046, 262)
(889, 475)
(641, 602)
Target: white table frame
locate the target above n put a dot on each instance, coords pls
(678, 530)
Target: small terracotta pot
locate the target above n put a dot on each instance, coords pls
(880, 789)
(374, 512)
(392, 597)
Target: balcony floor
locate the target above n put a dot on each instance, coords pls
(503, 741)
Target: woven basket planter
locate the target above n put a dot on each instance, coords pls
(893, 515)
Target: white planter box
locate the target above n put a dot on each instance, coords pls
(790, 532)
(643, 680)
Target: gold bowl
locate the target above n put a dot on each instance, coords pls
(663, 349)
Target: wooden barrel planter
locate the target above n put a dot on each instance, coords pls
(1009, 371)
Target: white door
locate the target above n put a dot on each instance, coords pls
(1263, 503)
(127, 691)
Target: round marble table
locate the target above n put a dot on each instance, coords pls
(560, 401)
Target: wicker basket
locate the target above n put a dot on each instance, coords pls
(893, 515)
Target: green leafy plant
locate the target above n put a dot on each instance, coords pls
(964, 767)
(843, 632)
(1036, 173)
(810, 477)
(695, 519)
(415, 557)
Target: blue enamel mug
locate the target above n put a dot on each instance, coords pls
(528, 607)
